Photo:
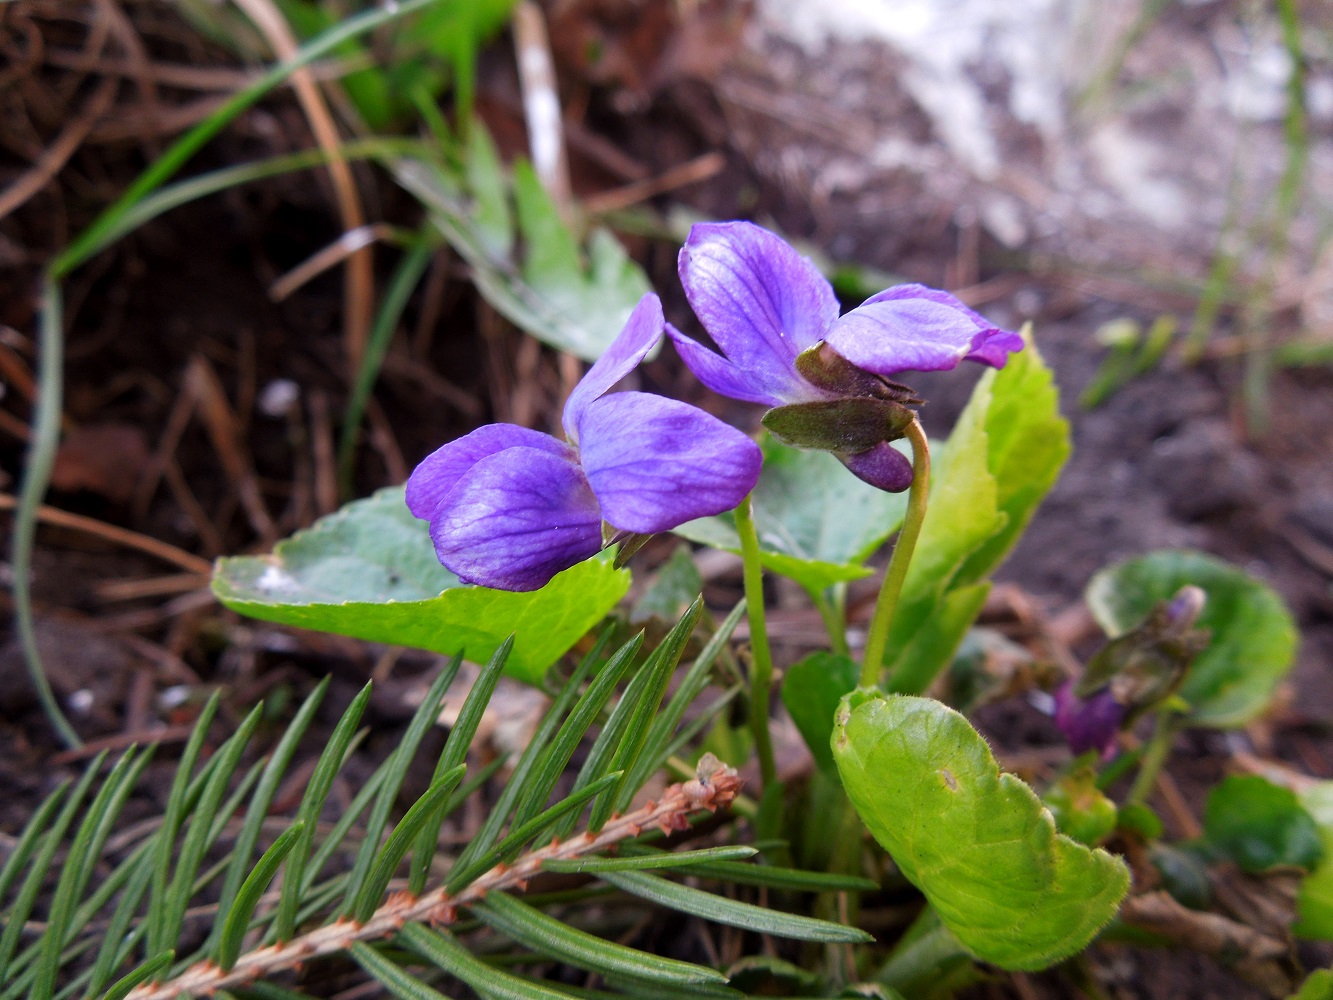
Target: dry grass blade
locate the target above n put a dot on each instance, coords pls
(120, 536)
(541, 105)
(359, 292)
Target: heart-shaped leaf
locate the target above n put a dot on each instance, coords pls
(979, 844)
(1254, 635)
(1260, 825)
(369, 571)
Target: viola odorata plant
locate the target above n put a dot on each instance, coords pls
(510, 507)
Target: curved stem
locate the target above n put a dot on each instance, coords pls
(896, 571)
(761, 666)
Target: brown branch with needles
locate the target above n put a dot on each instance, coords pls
(711, 790)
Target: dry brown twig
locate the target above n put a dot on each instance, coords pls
(706, 793)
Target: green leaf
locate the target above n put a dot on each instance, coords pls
(247, 898)
(655, 861)
(811, 691)
(1254, 635)
(1028, 445)
(721, 910)
(1260, 825)
(1318, 985)
(817, 523)
(1314, 901)
(673, 589)
(556, 939)
(369, 571)
(445, 951)
(573, 304)
(142, 974)
(936, 640)
(978, 843)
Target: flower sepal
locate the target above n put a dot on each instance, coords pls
(845, 426)
(826, 369)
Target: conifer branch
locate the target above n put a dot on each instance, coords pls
(714, 788)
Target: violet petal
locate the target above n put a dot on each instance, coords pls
(655, 463)
(642, 331)
(770, 387)
(914, 328)
(1088, 724)
(760, 301)
(517, 518)
(883, 466)
(437, 473)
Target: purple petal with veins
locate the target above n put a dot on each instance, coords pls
(437, 473)
(631, 346)
(1088, 724)
(760, 301)
(913, 328)
(655, 463)
(517, 518)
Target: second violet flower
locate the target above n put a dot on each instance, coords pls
(510, 507)
(776, 320)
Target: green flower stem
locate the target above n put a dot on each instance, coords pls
(834, 623)
(761, 666)
(1154, 757)
(894, 574)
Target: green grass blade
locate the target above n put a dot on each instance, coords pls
(174, 815)
(658, 671)
(278, 762)
(237, 918)
(395, 769)
(571, 733)
(524, 783)
(405, 278)
(453, 754)
(18, 914)
(142, 974)
(448, 954)
(312, 804)
(84, 853)
(557, 940)
(338, 839)
(573, 805)
(37, 473)
(373, 886)
(733, 913)
(654, 861)
(94, 238)
(205, 816)
(697, 725)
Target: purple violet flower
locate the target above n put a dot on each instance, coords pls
(509, 507)
(766, 306)
(1089, 723)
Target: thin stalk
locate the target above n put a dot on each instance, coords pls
(834, 623)
(761, 666)
(894, 574)
(1154, 758)
(41, 458)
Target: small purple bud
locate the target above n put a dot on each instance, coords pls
(882, 466)
(1184, 609)
(1090, 724)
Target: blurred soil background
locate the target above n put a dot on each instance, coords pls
(1094, 168)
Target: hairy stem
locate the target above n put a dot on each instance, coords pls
(894, 574)
(761, 666)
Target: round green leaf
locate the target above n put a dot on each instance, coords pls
(1254, 635)
(978, 843)
(1260, 825)
(369, 571)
